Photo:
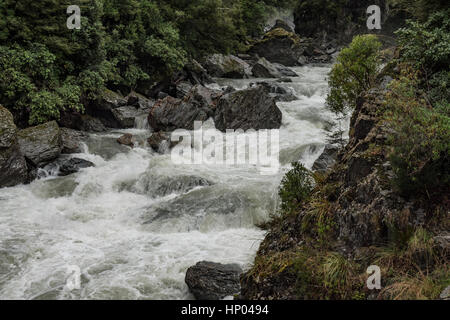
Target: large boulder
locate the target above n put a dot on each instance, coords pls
(13, 167)
(71, 140)
(41, 144)
(126, 115)
(227, 66)
(65, 165)
(81, 122)
(213, 281)
(103, 108)
(279, 46)
(171, 113)
(265, 69)
(252, 108)
(276, 91)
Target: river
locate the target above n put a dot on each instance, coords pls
(135, 222)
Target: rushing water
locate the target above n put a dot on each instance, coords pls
(135, 222)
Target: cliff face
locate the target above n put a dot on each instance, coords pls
(342, 19)
(354, 219)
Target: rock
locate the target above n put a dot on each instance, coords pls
(126, 139)
(196, 74)
(284, 80)
(285, 71)
(71, 140)
(160, 186)
(442, 241)
(227, 66)
(276, 91)
(160, 142)
(279, 46)
(103, 108)
(81, 122)
(65, 166)
(171, 113)
(326, 159)
(41, 144)
(139, 101)
(183, 89)
(252, 108)
(213, 281)
(126, 116)
(13, 167)
(283, 25)
(445, 295)
(264, 69)
(302, 60)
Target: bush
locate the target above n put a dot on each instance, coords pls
(354, 72)
(296, 187)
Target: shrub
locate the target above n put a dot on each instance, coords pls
(354, 72)
(296, 187)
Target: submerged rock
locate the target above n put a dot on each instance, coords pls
(213, 281)
(13, 167)
(65, 166)
(41, 144)
(160, 142)
(227, 66)
(252, 108)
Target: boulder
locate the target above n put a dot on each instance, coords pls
(285, 71)
(276, 91)
(41, 144)
(13, 167)
(227, 66)
(264, 69)
(279, 46)
(445, 294)
(326, 159)
(126, 140)
(125, 116)
(183, 88)
(213, 281)
(103, 108)
(171, 113)
(65, 166)
(283, 25)
(196, 74)
(81, 122)
(160, 142)
(71, 140)
(139, 101)
(252, 108)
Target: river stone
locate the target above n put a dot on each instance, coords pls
(276, 91)
(126, 115)
(227, 66)
(13, 167)
(69, 166)
(41, 144)
(71, 140)
(103, 107)
(126, 140)
(252, 108)
(264, 69)
(445, 294)
(213, 281)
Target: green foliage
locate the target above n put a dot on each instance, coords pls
(354, 72)
(122, 44)
(296, 187)
(421, 142)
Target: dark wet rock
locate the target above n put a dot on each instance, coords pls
(139, 101)
(265, 69)
(41, 144)
(252, 108)
(171, 113)
(103, 107)
(276, 91)
(161, 142)
(13, 167)
(327, 159)
(127, 115)
(196, 74)
(183, 88)
(213, 281)
(71, 140)
(284, 80)
(227, 66)
(279, 46)
(283, 25)
(66, 166)
(81, 122)
(285, 71)
(126, 140)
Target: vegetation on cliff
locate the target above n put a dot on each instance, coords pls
(385, 202)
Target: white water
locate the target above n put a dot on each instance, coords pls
(131, 236)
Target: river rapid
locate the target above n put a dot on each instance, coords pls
(136, 221)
